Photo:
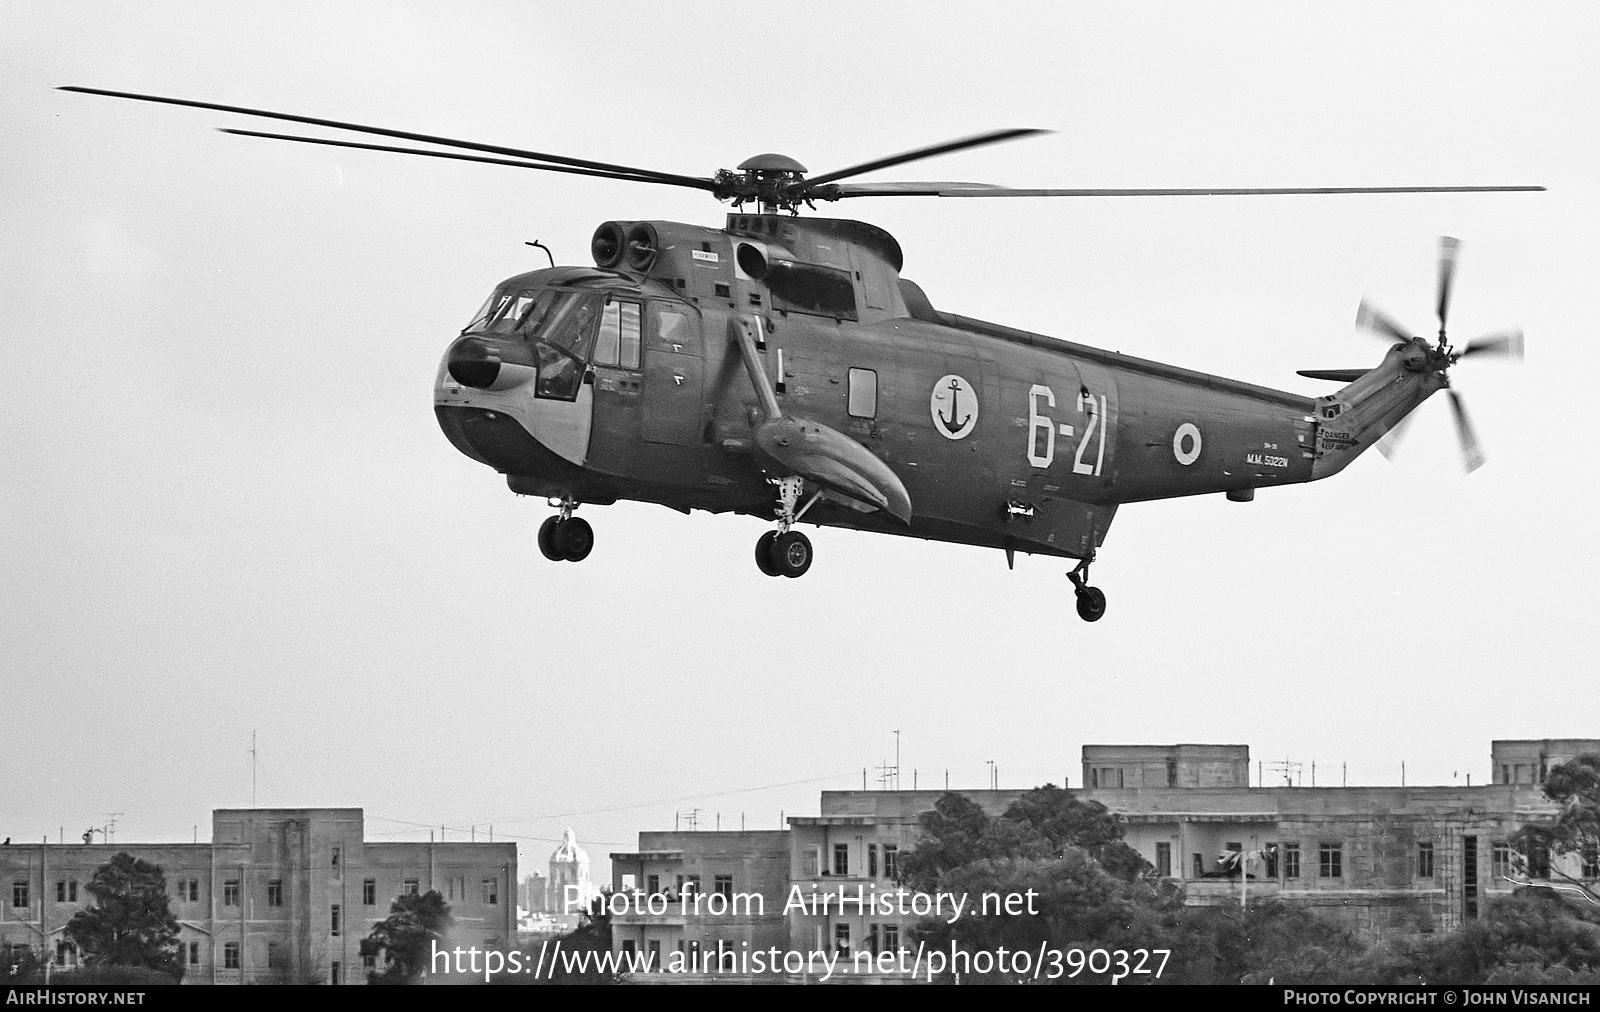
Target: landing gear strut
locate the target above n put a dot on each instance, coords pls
(1091, 600)
(564, 537)
(786, 552)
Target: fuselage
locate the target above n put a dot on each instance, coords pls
(599, 384)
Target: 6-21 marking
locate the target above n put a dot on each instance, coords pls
(1042, 424)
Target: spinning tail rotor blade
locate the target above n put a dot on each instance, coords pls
(1370, 317)
(1448, 249)
(1389, 443)
(1507, 343)
(1471, 452)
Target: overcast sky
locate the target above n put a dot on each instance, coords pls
(226, 505)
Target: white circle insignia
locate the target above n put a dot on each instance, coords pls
(1186, 431)
(954, 406)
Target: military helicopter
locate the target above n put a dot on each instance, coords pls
(781, 367)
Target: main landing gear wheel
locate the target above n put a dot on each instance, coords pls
(764, 553)
(565, 539)
(787, 554)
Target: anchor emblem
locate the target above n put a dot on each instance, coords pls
(954, 420)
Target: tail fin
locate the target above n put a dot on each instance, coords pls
(1359, 414)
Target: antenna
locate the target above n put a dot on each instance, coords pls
(1289, 768)
(252, 767)
(109, 834)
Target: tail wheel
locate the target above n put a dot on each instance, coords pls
(791, 554)
(574, 538)
(547, 539)
(1091, 603)
(764, 556)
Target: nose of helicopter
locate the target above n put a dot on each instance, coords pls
(472, 363)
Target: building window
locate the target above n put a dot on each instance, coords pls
(19, 895)
(1164, 859)
(628, 949)
(491, 891)
(274, 956)
(891, 860)
(863, 393)
(1500, 860)
(370, 961)
(841, 939)
(1505, 773)
(194, 953)
(1172, 772)
(654, 959)
(1591, 861)
(872, 860)
(1291, 860)
(333, 919)
(1538, 862)
(692, 886)
(194, 890)
(1271, 850)
(723, 886)
(891, 938)
(336, 973)
(1199, 866)
(275, 893)
(841, 859)
(369, 892)
(336, 856)
(61, 892)
(411, 887)
(1425, 860)
(1330, 861)
(230, 956)
(652, 885)
(230, 892)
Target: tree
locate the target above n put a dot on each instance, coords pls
(1575, 787)
(405, 938)
(131, 921)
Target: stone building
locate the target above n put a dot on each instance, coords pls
(702, 894)
(277, 896)
(1383, 859)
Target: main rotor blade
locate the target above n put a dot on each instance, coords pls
(1470, 451)
(1507, 343)
(1389, 443)
(978, 140)
(984, 190)
(626, 170)
(1448, 249)
(454, 156)
(1370, 317)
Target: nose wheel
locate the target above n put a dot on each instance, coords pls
(565, 538)
(1091, 600)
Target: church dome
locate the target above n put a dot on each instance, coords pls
(569, 852)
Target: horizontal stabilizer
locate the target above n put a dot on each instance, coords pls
(1337, 375)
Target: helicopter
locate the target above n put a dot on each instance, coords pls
(781, 367)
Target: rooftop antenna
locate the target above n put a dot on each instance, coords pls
(110, 832)
(897, 759)
(252, 767)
